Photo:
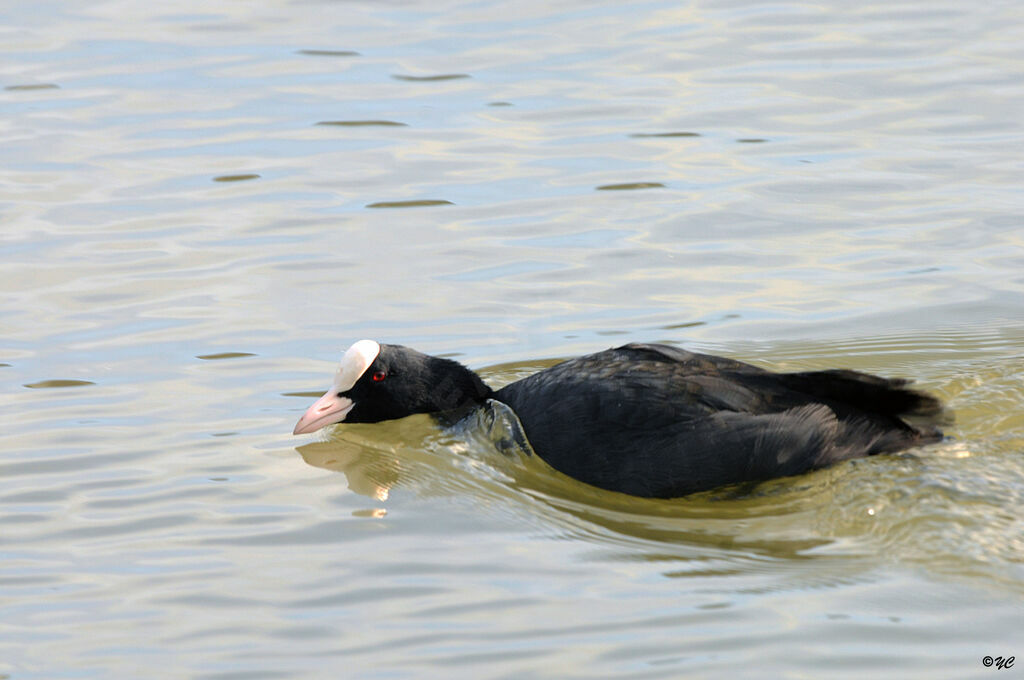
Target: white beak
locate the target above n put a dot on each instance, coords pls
(331, 408)
(328, 409)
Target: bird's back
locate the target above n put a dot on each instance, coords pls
(654, 420)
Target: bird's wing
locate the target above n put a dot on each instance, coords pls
(673, 444)
(653, 420)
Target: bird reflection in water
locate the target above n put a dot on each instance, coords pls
(371, 472)
(421, 450)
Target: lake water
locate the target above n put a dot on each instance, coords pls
(203, 204)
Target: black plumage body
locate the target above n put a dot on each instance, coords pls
(654, 420)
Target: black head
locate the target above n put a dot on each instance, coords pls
(383, 382)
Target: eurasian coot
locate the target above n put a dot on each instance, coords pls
(649, 419)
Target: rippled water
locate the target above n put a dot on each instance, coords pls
(202, 205)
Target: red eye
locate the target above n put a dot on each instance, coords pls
(379, 375)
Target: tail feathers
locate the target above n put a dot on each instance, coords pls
(869, 393)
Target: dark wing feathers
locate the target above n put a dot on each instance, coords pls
(660, 421)
(863, 391)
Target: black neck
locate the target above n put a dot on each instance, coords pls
(453, 385)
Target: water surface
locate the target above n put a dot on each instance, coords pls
(202, 205)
